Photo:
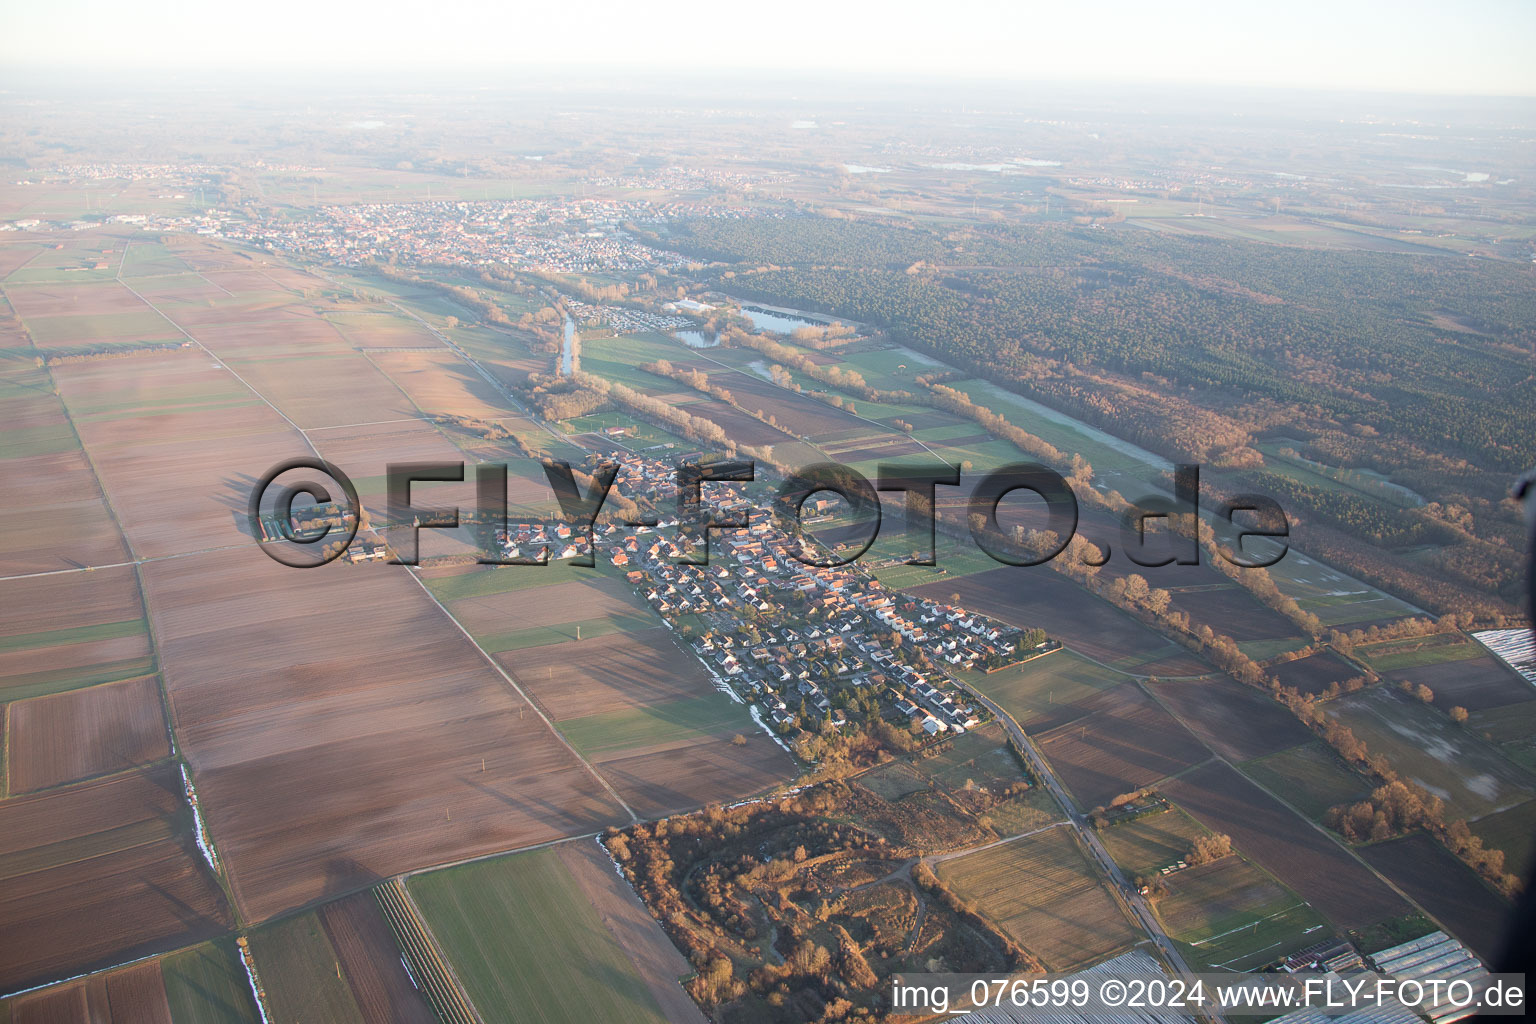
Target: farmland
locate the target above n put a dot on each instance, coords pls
(1514, 832)
(135, 993)
(614, 672)
(1309, 777)
(1231, 915)
(52, 515)
(370, 960)
(200, 984)
(206, 985)
(1047, 692)
(1411, 652)
(478, 740)
(1125, 742)
(324, 389)
(1425, 746)
(174, 495)
(1314, 674)
(1040, 597)
(509, 621)
(1066, 916)
(1234, 721)
(300, 972)
(100, 873)
(70, 630)
(439, 382)
(664, 765)
(338, 961)
(1446, 888)
(644, 711)
(1476, 683)
(92, 731)
(1146, 845)
(1301, 857)
(528, 943)
(417, 753)
(365, 452)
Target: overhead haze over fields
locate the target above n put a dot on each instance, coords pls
(1417, 46)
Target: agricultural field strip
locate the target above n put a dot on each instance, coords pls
(1087, 433)
(884, 429)
(1354, 854)
(457, 997)
(1244, 927)
(489, 377)
(1129, 900)
(537, 708)
(1313, 824)
(416, 576)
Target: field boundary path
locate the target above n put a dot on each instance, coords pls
(1127, 895)
(429, 968)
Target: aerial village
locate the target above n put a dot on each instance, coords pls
(802, 643)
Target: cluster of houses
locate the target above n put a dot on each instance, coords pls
(624, 320)
(561, 235)
(787, 635)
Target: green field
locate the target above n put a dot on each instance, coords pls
(206, 985)
(1029, 692)
(954, 558)
(1512, 729)
(1231, 915)
(1435, 649)
(73, 635)
(22, 442)
(1145, 845)
(1310, 778)
(711, 715)
(527, 944)
(1263, 650)
(641, 434)
(946, 431)
(300, 973)
(74, 330)
(1424, 745)
(144, 258)
(22, 685)
(619, 359)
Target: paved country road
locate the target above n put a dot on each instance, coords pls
(1129, 896)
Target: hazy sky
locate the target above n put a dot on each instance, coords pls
(1483, 47)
